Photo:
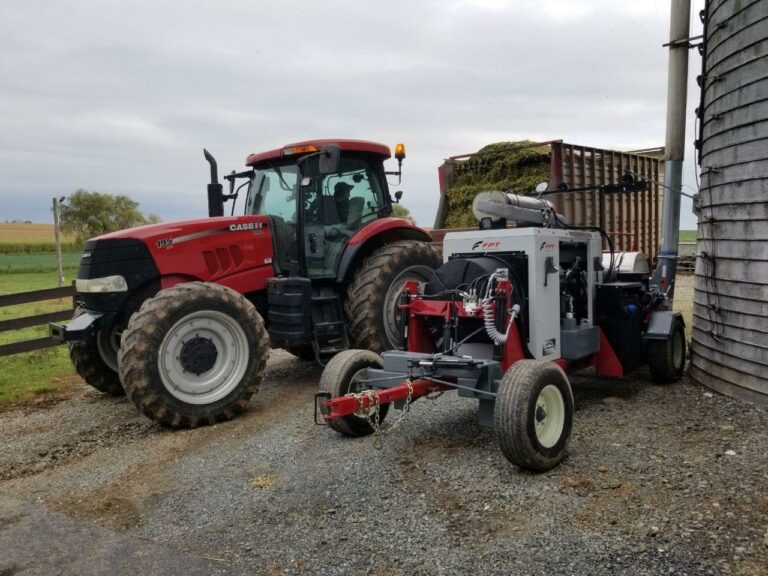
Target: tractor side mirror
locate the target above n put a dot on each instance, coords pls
(398, 195)
(329, 159)
(542, 187)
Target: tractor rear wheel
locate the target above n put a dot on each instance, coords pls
(193, 355)
(95, 360)
(666, 358)
(341, 377)
(374, 293)
(533, 415)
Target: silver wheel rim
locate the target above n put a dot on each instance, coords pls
(549, 416)
(228, 369)
(392, 298)
(108, 344)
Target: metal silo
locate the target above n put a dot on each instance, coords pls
(729, 351)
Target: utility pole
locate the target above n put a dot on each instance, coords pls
(59, 269)
(677, 92)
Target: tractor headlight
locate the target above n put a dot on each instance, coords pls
(106, 284)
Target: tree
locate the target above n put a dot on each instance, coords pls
(88, 214)
(400, 211)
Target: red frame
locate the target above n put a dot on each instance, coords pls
(420, 340)
(348, 405)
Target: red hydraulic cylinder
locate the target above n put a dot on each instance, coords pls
(348, 405)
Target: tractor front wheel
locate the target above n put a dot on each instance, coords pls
(533, 415)
(95, 360)
(341, 376)
(193, 355)
(374, 293)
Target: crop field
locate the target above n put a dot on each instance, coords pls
(18, 233)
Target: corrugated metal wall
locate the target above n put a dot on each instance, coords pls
(632, 219)
(729, 351)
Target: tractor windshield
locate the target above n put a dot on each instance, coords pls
(273, 191)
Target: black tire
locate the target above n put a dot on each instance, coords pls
(89, 364)
(666, 358)
(372, 296)
(517, 413)
(305, 353)
(337, 381)
(162, 384)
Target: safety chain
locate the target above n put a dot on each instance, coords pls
(372, 412)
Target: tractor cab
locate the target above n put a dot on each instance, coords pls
(314, 213)
(317, 195)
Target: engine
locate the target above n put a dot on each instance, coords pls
(554, 285)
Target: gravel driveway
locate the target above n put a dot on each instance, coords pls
(660, 480)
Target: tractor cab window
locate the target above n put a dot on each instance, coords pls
(272, 193)
(336, 206)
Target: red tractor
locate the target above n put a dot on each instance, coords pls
(181, 316)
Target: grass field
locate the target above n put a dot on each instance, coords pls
(25, 375)
(687, 235)
(44, 262)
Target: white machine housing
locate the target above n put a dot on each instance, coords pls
(542, 247)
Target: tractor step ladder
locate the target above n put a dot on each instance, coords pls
(330, 332)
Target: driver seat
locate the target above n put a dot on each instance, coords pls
(355, 213)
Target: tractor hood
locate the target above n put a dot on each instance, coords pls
(227, 250)
(166, 234)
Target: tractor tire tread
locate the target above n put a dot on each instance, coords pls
(140, 340)
(89, 365)
(368, 287)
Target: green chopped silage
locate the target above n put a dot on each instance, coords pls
(514, 166)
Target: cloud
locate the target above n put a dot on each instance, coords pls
(122, 97)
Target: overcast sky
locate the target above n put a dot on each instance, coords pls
(121, 97)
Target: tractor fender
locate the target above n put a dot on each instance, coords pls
(661, 325)
(372, 236)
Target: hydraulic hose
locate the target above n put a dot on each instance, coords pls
(489, 317)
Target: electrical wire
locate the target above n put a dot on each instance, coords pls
(717, 328)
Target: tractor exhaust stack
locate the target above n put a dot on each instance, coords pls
(215, 190)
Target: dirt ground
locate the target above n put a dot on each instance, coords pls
(660, 479)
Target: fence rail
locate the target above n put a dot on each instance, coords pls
(37, 320)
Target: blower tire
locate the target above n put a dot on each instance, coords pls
(533, 415)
